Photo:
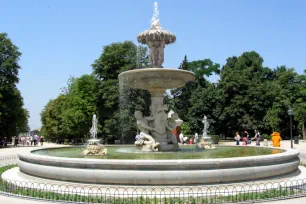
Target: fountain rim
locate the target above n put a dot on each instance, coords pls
(286, 152)
(156, 70)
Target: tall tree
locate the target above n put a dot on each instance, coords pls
(116, 58)
(182, 96)
(70, 114)
(13, 117)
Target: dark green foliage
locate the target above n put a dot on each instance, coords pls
(196, 98)
(248, 96)
(13, 117)
(116, 105)
(70, 114)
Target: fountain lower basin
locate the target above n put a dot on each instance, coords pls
(160, 171)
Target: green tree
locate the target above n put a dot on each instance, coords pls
(184, 64)
(186, 98)
(299, 106)
(70, 114)
(117, 58)
(287, 91)
(243, 93)
(13, 117)
(51, 118)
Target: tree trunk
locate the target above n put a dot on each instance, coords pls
(304, 130)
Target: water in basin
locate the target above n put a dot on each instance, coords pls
(186, 152)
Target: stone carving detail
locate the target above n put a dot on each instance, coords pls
(156, 38)
(145, 140)
(157, 53)
(156, 130)
(96, 150)
(205, 142)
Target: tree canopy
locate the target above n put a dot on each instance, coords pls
(247, 96)
(70, 114)
(13, 116)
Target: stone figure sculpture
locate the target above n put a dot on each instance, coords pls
(206, 126)
(156, 38)
(145, 139)
(157, 53)
(156, 130)
(205, 142)
(96, 150)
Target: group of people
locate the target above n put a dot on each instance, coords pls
(276, 138)
(247, 139)
(28, 140)
(184, 140)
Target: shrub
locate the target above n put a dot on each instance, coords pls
(265, 136)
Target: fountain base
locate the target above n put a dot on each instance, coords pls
(205, 143)
(95, 150)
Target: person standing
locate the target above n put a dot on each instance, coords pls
(16, 140)
(5, 142)
(237, 138)
(257, 138)
(181, 138)
(31, 140)
(245, 137)
(276, 138)
(23, 141)
(28, 140)
(35, 138)
(41, 140)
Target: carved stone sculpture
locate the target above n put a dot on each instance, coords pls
(145, 141)
(96, 150)
(156, 130)
(157, 53)
(156, 38)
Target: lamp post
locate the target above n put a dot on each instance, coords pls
(290, 113)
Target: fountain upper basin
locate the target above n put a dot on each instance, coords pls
(155, 78)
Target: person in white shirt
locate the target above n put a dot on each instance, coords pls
(181, 136)
(28, 140)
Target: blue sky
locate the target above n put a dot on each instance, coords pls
(62, 38)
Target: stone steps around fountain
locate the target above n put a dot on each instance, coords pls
(20, 179)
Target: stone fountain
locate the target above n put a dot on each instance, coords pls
(156, 129)
(94, 147)
(134, 168)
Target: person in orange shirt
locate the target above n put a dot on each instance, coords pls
(276, 138)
